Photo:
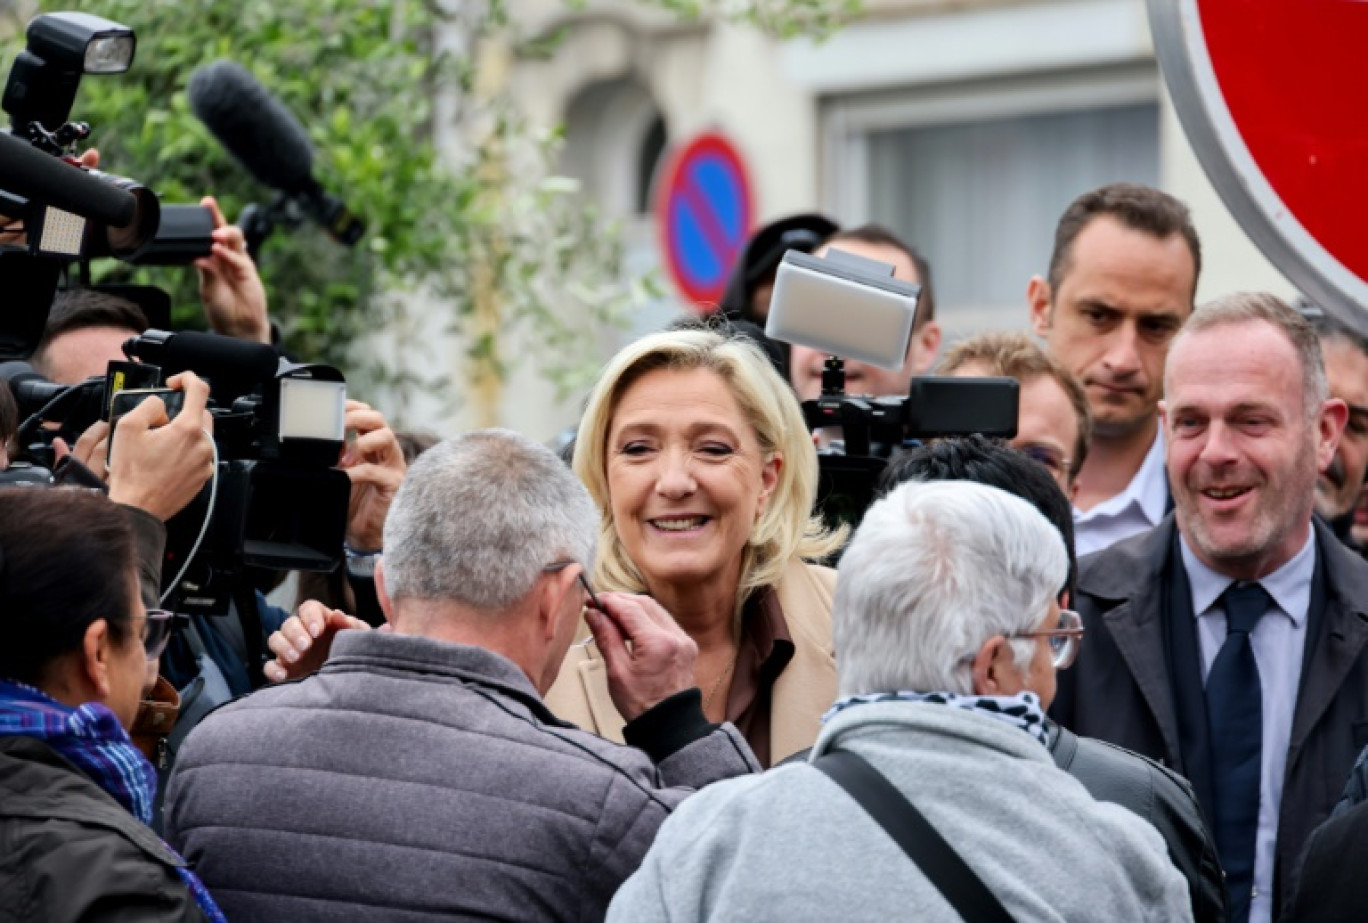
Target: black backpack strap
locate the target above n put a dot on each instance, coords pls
(901, 820)
(1063, 744)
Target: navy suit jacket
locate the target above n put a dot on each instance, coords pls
(1120, 690)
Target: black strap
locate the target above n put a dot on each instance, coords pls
(249, 616)
(1063, 745)
(901, 820)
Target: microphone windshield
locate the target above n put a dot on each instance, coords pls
(229, 364)
(253, 125)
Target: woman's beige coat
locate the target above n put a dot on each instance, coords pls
(802, 693)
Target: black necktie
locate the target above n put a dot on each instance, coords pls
(1235, 720)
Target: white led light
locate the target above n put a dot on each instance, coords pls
(312, 409)
(110, 54)
(62, 234)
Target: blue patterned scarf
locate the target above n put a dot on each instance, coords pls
(91, 738)
(1021, 711)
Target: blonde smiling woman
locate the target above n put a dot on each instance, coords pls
(696, 452)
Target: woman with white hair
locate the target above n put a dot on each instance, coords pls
(948, 635)
(697, 454)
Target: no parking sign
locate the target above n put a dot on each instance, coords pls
(703, 208)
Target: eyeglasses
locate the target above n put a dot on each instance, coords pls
(1064, 640)
(584, 581)
(156, 631)
(1053, 460)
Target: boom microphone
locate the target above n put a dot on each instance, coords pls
(263, 135)
(28, 172)
(231, 365)
(253, 125)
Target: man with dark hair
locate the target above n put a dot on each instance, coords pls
(1054, 425)
(874, 242)
(1109, 773)
(1346, 371)
(747, 296)
(1121, 281)
(85, 330)
(1231, 642)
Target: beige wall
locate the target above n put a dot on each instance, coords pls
(1230, 261)
(769, 97)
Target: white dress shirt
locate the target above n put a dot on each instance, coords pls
(1136, 509)
(1278, 641)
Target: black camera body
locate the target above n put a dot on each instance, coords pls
(57, 210)
(68, 410)
(849, 306)
(873, 428)
(278, 500)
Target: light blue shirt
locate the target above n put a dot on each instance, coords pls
(1278, 641)
(1136, 509)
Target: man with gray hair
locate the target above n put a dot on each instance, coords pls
(419, 774)
(947, 637)
(1231, 641)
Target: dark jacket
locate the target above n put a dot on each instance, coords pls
(1160, 796)
(69, 851)
(420, 779)
(1356, 789)
(1120, 689)
(1332, 887)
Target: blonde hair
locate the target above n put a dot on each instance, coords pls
(787, 528)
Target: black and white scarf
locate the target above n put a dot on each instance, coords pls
(1020, 711)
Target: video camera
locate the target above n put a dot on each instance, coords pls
(57, 211)
(848, 306)
(69, 410)
(277, 499)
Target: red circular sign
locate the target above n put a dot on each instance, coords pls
(1273, 95)
(1294, 75)
(703, 212)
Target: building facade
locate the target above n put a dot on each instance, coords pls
(964, 125)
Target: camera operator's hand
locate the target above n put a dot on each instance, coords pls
(230, 287)
(90, 449)
(302, 644)
(659, 661)
(161, 470)
(375, 463)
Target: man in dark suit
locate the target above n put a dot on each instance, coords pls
(1231, 642)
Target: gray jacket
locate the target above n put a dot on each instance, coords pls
(412, 779)
(791, 845)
